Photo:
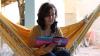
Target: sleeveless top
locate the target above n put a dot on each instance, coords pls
(38, 32)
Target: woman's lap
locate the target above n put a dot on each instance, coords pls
(49, 54)
(58, 53)
(62, 53)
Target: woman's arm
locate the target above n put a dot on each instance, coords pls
(43, 49)
(32, 37)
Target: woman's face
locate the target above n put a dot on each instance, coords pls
(49, 20)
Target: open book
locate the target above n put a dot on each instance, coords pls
(58, 41)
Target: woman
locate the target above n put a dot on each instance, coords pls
(47, 28)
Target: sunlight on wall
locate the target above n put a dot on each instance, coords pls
(85, 7)
(12, 12)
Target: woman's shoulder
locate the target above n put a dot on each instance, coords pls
(36, 27)
(35, 30)
(59, 32)
(58, 29)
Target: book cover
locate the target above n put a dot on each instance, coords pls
(59, 41)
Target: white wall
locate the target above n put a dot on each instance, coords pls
(85, 7)
(12, 12)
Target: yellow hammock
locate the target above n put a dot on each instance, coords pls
(16, 36)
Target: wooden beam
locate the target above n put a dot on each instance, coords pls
(21, 6)
(6, 2)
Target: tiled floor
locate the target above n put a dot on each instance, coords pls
(82, 51)
(6, 51)
(93, 50)
(88, 51)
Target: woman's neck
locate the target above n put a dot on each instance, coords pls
(47, 31)
(47, 27)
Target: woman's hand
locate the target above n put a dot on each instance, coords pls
(44, 50)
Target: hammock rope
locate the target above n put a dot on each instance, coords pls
(89, 20)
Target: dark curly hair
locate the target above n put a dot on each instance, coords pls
(43, 12)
